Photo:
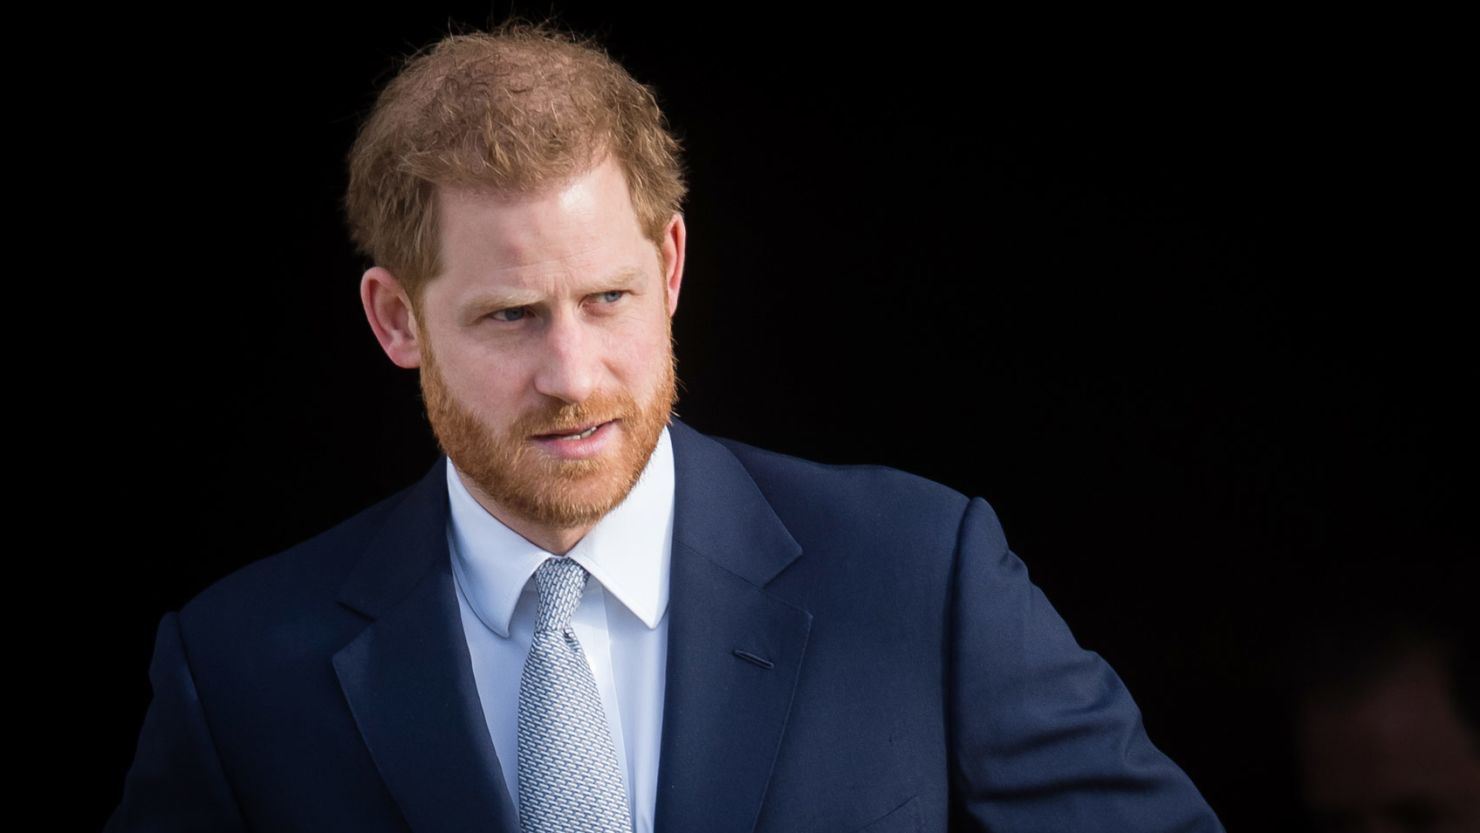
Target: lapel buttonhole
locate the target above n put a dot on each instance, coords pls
(755, 660)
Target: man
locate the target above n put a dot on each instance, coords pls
(1385, 712)
(1390, 750)
(588, 615)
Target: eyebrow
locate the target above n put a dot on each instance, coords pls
(502, 299)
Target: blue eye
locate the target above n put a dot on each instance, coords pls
(510, 314)
(611, 296)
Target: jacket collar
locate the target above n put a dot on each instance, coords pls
(409, 682)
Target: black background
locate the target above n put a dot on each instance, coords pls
(1182, 299)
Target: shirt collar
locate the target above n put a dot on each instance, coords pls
(628, 551)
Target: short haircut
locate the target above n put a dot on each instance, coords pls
(516, 109)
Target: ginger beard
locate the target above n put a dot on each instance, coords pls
(509, 468)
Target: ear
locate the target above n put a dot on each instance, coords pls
(392, 318)
(672, 249)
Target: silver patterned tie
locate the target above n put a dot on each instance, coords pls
(569, 781)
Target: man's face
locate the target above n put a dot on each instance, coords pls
(546, 346)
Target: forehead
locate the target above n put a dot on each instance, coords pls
(587, 216)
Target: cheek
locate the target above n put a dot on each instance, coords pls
(640, 344)
(491, 388)
(647, 355)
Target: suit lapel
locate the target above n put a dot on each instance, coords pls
(734, 655)
(734, 650)
(408, 677)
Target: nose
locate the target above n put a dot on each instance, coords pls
(568, 364)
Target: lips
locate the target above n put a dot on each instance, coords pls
(575, 433)
(588, 441)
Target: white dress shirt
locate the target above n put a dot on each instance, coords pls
(621, 620)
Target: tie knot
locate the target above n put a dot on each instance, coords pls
(560, 581)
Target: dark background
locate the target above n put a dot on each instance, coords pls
(1188, 310)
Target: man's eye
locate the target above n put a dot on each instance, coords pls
(611, 296)
(510, 314)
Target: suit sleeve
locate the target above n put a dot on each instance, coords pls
(1045, 735)
(176, 782)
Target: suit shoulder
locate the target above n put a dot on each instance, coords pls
(288, 584)
(861, 493)
(825, 478)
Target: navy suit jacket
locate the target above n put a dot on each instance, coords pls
(851, 648)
